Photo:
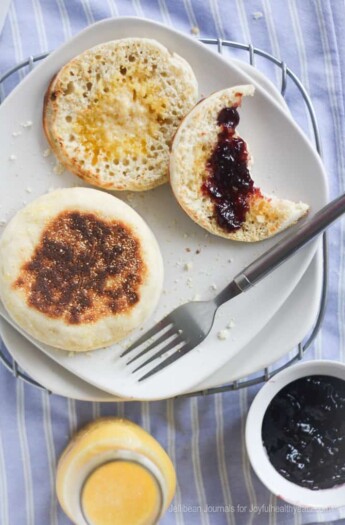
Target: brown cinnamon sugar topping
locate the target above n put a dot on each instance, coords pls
(83, 268)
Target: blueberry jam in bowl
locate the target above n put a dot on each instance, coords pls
(295, 434)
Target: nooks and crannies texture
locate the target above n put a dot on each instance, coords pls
(111, 112)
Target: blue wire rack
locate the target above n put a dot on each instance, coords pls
(286, 75)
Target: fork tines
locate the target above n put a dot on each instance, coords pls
(162, 332)
(169, 360)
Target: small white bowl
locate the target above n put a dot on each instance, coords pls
(270, 477)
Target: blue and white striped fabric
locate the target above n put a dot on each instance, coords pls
(204, 436)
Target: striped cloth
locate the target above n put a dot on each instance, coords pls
(204, 436)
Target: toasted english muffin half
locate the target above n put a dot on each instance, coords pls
(79, 269)
(111, 112)
(210, 174)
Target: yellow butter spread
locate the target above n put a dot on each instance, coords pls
(122, 114)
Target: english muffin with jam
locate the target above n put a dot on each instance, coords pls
(79, 269)
(111, 112)
(210, 174)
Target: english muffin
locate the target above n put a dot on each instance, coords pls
(111, 112)
(79, 269)
(210, 174)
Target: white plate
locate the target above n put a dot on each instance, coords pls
(287, 328)
(285, 164)
(268, 346)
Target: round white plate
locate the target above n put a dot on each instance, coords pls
(285, 164)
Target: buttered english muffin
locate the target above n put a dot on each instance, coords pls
(79, 269)
(111, 112)
(210, 174)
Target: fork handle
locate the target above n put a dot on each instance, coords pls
(282, 250)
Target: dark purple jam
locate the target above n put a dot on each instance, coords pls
(303, 432)
(229, 183)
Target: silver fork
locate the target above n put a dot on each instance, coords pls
(188, 325)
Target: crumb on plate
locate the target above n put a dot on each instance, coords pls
(257, 15)
(26, 124)
(222, 335)
(58, 169)
(46, 152)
